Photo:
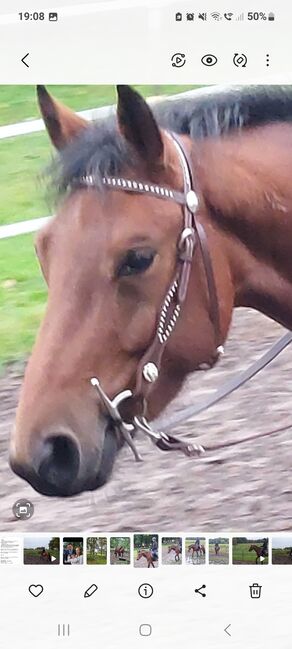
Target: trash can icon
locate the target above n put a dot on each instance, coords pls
(255, 591)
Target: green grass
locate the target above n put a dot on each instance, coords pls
(96, 559)
(22, 297)
(21, 187)
(241, 554)
(23, 197)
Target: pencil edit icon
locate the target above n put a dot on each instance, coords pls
(90, 591)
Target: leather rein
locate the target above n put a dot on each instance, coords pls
(192, 235)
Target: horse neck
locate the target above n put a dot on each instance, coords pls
(248, 214)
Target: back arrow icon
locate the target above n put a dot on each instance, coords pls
(24, 61)
(226, 630)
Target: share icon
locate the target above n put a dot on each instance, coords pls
(199, 590)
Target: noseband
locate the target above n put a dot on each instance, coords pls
(191, 236)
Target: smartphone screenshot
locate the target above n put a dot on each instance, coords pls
(145, 324)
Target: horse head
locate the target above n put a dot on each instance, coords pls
(108, 258)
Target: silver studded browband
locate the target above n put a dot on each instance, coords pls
(128, 185)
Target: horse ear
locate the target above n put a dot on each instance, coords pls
(138, 125)
(61, 123)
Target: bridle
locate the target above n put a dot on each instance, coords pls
(192, 235)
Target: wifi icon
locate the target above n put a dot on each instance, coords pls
(216, 15)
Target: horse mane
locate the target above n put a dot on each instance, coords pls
(210, 112)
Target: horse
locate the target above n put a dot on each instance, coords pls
(119, 552)
(258, 550)
(148, 556)
(45, 555)
(196, 548)
(177, 551)
(217, 548)
(168, 218)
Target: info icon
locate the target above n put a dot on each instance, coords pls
(23, 509)
(145, 591)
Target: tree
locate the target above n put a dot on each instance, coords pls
(103, 545)
(54, 544)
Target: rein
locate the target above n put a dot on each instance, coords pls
(192, 236)
(165, 441)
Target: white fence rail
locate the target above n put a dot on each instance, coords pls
(37, 125)
(22, 227)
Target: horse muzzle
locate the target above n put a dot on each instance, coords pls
(60, 468)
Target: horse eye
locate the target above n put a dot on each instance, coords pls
(135, 262)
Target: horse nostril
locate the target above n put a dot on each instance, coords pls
(59, 463)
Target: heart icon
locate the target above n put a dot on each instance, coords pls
(36, 590)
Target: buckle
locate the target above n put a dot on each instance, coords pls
(186, 244)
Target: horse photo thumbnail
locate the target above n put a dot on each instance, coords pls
(146, 550)
(282, 551)
(195, 550)
(219, 551)
(41, 550)
(250, 550)
(120, 550)
(171, 551)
